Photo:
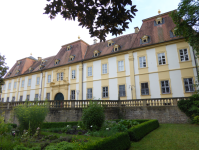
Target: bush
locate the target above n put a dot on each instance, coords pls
(13, 125)
(138, 132)
(190, 107)
(4, 128)
(62, 146)
(8, 142)
(119, 141)
(196, 120)
(48, 125)
(31, 116)
(93, 116)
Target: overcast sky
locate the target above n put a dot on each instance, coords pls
(24, 29)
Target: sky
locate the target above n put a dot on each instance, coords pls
(24, 29)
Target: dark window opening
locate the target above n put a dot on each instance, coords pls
(159, 22)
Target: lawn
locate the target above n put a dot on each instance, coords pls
(170, 137)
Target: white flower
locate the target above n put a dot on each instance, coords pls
(91, 126)
(107, 128)
(78, 126)
(67, 125)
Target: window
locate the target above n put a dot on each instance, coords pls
(184, 55)
(104, 68)
(89, 93)
(144, 89)
(104, 91)
(121, 65)
(49, 78)
(109, 44)
(38, 78)
(21, 98)
(36, 96)
(96, 53)
(71, 58)
(161, 59)
(89, 71)
(57, 61)
(9, 86)
(122, 90)
(73, 74)
(7, 99)
(29, 82)
(22, 83)
(13, 99)
(48, 96)
(60, 76)
(2, 99)
(73, 94)
(189, 86)
(15, 85)
(142, 62)
(115, 49)
(28, 97)
(165, 87)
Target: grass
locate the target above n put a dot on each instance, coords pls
(170, 137)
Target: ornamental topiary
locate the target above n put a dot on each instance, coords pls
(93, 116)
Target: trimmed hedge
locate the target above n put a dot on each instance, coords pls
(119, 141)
(13, 125)
(138, 120)
(48, 125)
(139, 131)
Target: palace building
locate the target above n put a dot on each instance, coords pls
(150, 63)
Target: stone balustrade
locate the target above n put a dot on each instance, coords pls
(104, 103)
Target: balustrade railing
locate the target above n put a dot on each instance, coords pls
(103, 103)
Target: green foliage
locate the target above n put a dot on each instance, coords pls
(95, 14)
(93, 116)
(3, 69)
(196, 120)
(48, 125)
(62, 146)
(119, 141)
(190, 107)
(22, 147)
(186, 19)
(8, 142)
(137, 120)
(13, 125)
(31, 116)
(4, 128)
(138, 132)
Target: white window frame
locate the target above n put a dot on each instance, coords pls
(161, 59)
(48, 96)
(62, 76)
(165, 87)
(28, 97)
(122, 92)
(73, 74)
(121, 65)
(21, 98)
(9, 86)
(58, 75)
(29, 82)
(144, 89)
(72, 94)
(89, 93)
(89, 71)
(104, 68)
(189, 85)
(22, 83)
(142, 61)
(183, 56)
(38, 79)
(49, 78)
(105, 92)
(15, 85)
(37, 96)
(13, 99)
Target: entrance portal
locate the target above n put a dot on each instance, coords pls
(59, 97)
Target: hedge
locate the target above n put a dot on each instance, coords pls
(139, 131)
(13, 125)
(138, 120)
(48, 125)
(119, 141)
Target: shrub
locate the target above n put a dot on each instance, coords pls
(48, 125)
(119, 141)
(31, 115)
(93, 116)
(4, 128)
(196, 120)
(138, 132)
(62, 146)
(8, 142)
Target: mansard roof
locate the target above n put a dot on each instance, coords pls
(83, 51)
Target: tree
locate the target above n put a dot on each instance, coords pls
(99, 16)
(3, 69)
(186, 19)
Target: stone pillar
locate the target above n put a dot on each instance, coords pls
(132, 75)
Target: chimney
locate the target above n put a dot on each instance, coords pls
(39, 58)
(136, 29)
(95, 41)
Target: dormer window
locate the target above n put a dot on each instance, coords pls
(158, 21)
(17, 71)
(9, 73)
(172, 32)
(71, 58)
(96, 53)
(43, 62)
(68, 47)
(30, 69)
(116, 48)
(57, 61)
(145, 39)
(110, 43)
(18, 63)
(41, 66)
